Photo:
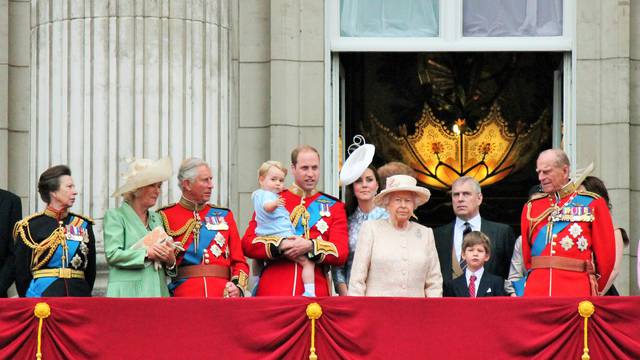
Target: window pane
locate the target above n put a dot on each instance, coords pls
(389, 18)
(512, 18)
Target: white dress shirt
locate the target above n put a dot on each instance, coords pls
(458, 229)
(478, 275)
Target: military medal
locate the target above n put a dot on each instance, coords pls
(219, 223)
(76, 261)
(566, 243)
(209, 223)
(575, 230)
(73, 233)
(322, 226)
(215, 250)
(582, 243)
(324, 210)
(222, 224)
(219, 239)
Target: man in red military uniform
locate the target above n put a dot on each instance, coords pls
(567, 235)
(319, 220)
(212, 263)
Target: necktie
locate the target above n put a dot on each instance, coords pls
(472, 286)
(467, 229)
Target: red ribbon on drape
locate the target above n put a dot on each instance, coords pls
(350, 328)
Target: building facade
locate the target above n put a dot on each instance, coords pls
(238, 82)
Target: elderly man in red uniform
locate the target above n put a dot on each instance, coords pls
(212, 263)
(567, 235)
(319, 220)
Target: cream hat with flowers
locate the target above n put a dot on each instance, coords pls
(403, 183)
(143, 172)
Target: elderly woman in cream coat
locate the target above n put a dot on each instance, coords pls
(397, 257)
(137, 269)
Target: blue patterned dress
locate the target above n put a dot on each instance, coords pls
(341, 274)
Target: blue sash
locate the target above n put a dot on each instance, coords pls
(314, 209)
(38, 286)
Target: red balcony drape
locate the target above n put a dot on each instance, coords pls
(350, 328)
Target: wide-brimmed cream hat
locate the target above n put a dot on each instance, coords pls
(403, 183)
(143, 172)
(356, 164)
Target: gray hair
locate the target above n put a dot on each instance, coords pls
(468, 180)
(188, 169)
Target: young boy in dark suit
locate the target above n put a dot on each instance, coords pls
(475, 282)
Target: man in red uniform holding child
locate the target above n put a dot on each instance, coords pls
(320, 223)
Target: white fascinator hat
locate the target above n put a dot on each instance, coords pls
(359, 159)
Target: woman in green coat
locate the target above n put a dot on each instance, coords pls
(138, 271)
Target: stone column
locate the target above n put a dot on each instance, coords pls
(280, 62)
(14, 96)
(603, 105)
(112, 80)
(634, 110)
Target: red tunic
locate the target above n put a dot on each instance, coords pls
(218, 245)
(328, 232)
(582, 230)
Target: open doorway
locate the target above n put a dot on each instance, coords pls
(483, 114)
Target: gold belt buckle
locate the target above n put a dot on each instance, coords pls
(65, 273)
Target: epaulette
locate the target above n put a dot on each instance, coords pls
(589, 193)
(330, 196)
(219, 207)
(24, 222)
(86, 218)
(166, 206)
(538, 196)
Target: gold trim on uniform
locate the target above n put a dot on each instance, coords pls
(185, 230)
(62, 273)
(268, 241)
(243, 280)
(48, 245)
(191, 205)
(566, 190)
(298, 191)
(323, 247)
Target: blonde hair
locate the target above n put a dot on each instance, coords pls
(264, 168)
(476, 238)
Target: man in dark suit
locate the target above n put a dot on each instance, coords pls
(10, 213)
(466, 197)
(475, 282)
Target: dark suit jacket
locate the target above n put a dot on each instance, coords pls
(10, 213)
(458, 287)
(502, 242)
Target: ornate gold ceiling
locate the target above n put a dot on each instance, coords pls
(440, 154)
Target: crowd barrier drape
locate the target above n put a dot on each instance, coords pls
(349, 328)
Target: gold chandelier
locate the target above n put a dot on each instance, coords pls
(440, 155)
